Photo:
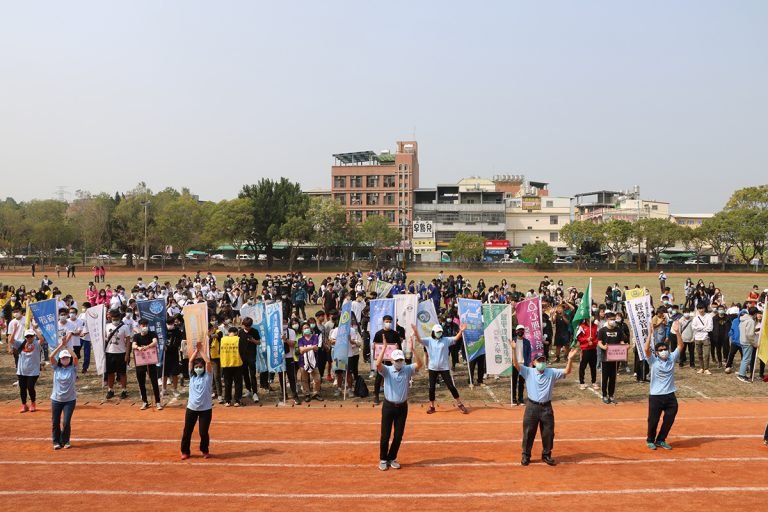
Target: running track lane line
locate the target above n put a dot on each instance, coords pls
(390, 496)
(685, 460)
(376, 442)
(410, 422)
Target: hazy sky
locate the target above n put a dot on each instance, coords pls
(668, 95)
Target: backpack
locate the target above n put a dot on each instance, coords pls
(361, 389)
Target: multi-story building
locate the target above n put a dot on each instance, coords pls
(369, 184)
(605, 205)
(471, 206)
(690, 220)
(531, 219)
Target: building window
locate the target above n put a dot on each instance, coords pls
(550, 204)
(340, 198)
(654, 207)
(355, 182)
(372, 213)
(339, 182)
(372, 198)
(356, 199)
(390, 216)
(356, 216)
(389, 198)
(530, 227)
(389, 181)
(553, 220)
(554, 236)
(372, 181)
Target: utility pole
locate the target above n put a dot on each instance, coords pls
(145, 204)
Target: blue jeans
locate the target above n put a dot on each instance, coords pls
(86, 353)
(746, 358)
(61, 431)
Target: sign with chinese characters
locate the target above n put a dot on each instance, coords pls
(531, 203)
(423, 229)
(424, 246)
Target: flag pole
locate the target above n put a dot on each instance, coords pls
(346, 376)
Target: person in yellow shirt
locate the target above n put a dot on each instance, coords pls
(231, 351)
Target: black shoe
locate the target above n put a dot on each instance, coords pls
(307, 398)
(549, 460)
(124, 395)
(110, 394)
(376, 400)
(318, 398)
(525, 460)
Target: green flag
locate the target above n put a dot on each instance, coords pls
(583, 312)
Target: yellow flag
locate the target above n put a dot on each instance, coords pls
(762, 349)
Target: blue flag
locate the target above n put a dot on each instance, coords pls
(154, 311)
(341, 348)
(274, 337)
(379, 308)
(471, 315)
(44, 313)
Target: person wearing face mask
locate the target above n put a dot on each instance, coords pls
(117, 336)
(661, 397)
(77, 325)
(734, 337)
(231, 352)
(144, 341)
(309, 345)
(438, 366)
(199, 404)
(63, 395)
(523, 347)
(721, 324)
(389, 335)
(214, 346)
(702, 329)
(539, 382)
(289, 349)
(682, 331)
(394, 412)
(586, 335)
(171, 369)
(28, 367)
(611, 334)
(15, 332)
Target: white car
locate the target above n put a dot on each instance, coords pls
(563, 261)
(218, 257)
(695, 262)
(247, 257)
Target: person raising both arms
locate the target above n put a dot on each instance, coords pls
(438, 366)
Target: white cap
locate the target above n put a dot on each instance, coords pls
(397, 355)
(29, 332)
(437, 329)
(64, 353)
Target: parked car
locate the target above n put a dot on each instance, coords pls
(695, 262)
(159, 257)
(512, 260)
(563, 261)
(218, 257)
(248, 257)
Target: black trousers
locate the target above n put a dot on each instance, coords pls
(718, 350)
(447, 378)
(323, 359)
(609, 378)
(658, 404)
(538, 416)
(479, 364)
(353, 364)
(290, 369)
(232, 375)
(141, 376)
(690, 348)
(249, 376)
(190, 419)
(300, 312)
(518, 384)
(27, 385)
(392, 415)
(588, 358)
(732, 354)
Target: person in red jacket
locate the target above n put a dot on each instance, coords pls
(586, 335)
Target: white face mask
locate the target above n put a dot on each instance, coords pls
(398, 365)
(144, 330)
(611, 323)
(387, 325)
(663, 354)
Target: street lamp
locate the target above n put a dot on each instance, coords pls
(145, 204)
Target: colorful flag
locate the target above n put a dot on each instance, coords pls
(471, 315)
(274, 337)
(95, 323)
(426, 316)
(196, 327)
(154, 311)
(44, 313)
(497, 327)
(341, 348)
(379, 308)
(406, 306)
(762, 349)
(583, 312)
(258, 313)
(382, 289)
(528, 313)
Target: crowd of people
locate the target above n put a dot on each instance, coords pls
(703, 329)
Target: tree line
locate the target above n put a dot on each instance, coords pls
(260, 216)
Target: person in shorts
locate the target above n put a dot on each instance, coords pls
(117, 338)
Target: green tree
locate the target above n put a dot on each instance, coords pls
(694, 241)
(271, 203)
(720, 234)
(127, 222)
(540, 253)
(617, 236)
(749, 197)
(466, 247)
(179, 222)
(89, 216)
(582, 236)
(230, 222)
(298, 229)
(378, 235)
(49, 227)
(13, 227)
(750, 231)
(657, 235)
(329, 223)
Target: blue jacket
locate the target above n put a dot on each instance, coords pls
(733, 334)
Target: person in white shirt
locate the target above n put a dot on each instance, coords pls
(117, 338)
(78, 328)
(702, 326)
(15, 332)
(65, 328)
(85, 339)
